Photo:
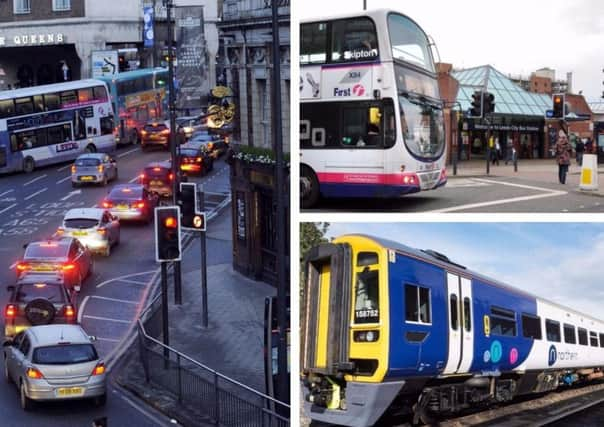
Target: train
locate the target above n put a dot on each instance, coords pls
(388, 330)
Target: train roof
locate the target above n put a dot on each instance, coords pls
(436, 258)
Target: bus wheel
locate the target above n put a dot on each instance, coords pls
(309, 188)
(90, 148)
(28, 165)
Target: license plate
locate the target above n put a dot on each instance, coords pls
(80, 233)
(122, 207)
(42, 267)
(70, 391)
(156, 183)
(86, 178)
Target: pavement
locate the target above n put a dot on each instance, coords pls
(233, 342)
(538, 170)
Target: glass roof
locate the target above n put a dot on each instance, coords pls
(597, 107)
(509, 97)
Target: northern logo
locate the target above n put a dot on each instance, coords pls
(552, 356)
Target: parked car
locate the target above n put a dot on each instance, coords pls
(54, 362)
(130, 202)
(96, 228)
(195, 159)
(65, 256)
(93, 168)
(156, 133)
(38, 300)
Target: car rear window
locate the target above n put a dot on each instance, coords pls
(64, 354)
(155, 128)
(189, 152)
(87, 162)
(29, 292)
(81, 223)
(121, 194)
(157, 172)
(46, 250)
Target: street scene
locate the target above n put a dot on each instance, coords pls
(144, 213)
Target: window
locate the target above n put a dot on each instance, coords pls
(39, 103)
(353, 40)
(467, 314)
(601, 340)
(454, 311)
(503, 322)
(25, 345)
(313, 43)
(366, 258)
(409, 43)
(582, 336)
(569, 334)
(24, 105)
(417, 304)
(85, 95)
(531, 326)
(7, 108)
(22, 6)
(593, 339)
(366, 308)
(100, 93)
(107, 125)
(60, 5)
(51, 101)
(68, 97)
(552, 330)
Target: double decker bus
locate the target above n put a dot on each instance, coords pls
(54, 123)
(138, 96)
(371, 120)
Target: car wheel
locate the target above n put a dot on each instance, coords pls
(7, 376)
(309, 188)
(28, 165)
(100, 400)
(26, 402)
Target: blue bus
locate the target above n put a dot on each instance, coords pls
(137, 96)
(54, 123)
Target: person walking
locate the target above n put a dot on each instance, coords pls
(493, 150)
(563, 152)
(579, 148)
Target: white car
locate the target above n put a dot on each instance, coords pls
(95, 228)
(93, 168)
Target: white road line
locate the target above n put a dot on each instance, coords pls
(127, 152)
(107, 339)
(136, 178)
(35, 194)
(12, 265)
(64, 167)
(115, 299)
(117, 279)
(64, 179)
(136, 282)
(6, 192)
(81, 309)
(8, 207)
(34, 180)
(107, 319)
(510, 184)
(71, 193)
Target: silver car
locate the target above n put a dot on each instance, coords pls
(93, 168)
(54, 362)
(95, 228)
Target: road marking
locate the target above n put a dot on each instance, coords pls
(120, 278)
(6, 192)
(127, 152)
(115, 299)
(107, 319)
(13, 265)
(35, 194)
(34, 180)
(64, 179)
(136, 282)
(71, 193)
(63, 168)
(465, 182)
(136, 178)
(8, 207)
(151, 416)
(81, 310)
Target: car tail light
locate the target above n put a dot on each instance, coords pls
(22, 267)
(171, 176)
(107, 204)
(99, 369)
(69, 311)
(139, 205)
(102, 230)
(73, 169)
(10, 311)
(101, 168)
(60, 230)
(34, 373)
(143, 133)
(211, 145)
(165, 132)
(68, 267)
(410, 179)
(199, 160)
(156, 169)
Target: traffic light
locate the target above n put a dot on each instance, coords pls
(122, 65)
(476, 110)
(167, 234)
(558, 101)
(187, 199)
(489, 103)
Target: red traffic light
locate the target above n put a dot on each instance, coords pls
(170, 222)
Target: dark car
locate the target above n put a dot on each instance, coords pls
(157, 178)
(64, 256)
(38, 300)
(190, 124)
(130, 202)
(195, 159)
(156, 133)
(216, 147)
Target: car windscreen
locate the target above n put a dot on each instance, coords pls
(64, 354)
(29, 292)
(124, 194)
(46, 250)
(81, 222)
(155, 128)
(87, 162)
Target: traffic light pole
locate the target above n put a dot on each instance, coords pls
(204, 275)
(164, 312)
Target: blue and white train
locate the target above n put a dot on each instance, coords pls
(389, 329)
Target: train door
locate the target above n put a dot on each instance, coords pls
(461, 338)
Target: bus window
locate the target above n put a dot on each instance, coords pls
(353, 40)
(85, 95)
(313, 43)
(68, 97)
(79, 124)
(51, 101)
(38, 103)
(366, 307)
(389, 126)
(107, 125)
(358, 131)
(100, 93)
(7, 108)
(24, 105)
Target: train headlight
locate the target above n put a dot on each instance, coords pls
(366, 336)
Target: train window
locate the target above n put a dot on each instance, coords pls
(367, 258)
(366, 308)
(453, 310)
(417, 304)
(552, 330)
(601, 340)
(467, 315)
(531, 326)
(593, 339)
(569, 334)
(503, 322)
(582, 336)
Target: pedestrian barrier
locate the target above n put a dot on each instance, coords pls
(589, 172)
(221, 400)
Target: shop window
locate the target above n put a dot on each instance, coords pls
(60, 5)
(22, 6)
(552, 330)
(582, 336)
(569, 334)
(531, 326)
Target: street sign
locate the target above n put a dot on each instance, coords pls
(549, 114)
(199, 222)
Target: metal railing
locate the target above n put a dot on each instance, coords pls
(214, 397)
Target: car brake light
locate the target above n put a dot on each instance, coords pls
(171, 177)
(22, 267)
(73, 169)
(143, 132)
(140, 204)
(11, 311)
(60, 230)
(102, 230)
(69, 310)
(165, 132)
(107, 205)
(34, 373)
(99, 369)
(156, 169)
(199, 160)
(68, 267)
(142, 176)
(101, 168)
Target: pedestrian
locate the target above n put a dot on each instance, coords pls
(493, 150)
(579, 148)
(497, 149)
(509, 150)
(563, 152)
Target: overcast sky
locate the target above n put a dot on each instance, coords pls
(515, 36)
(562, 262)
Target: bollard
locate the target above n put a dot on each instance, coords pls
(589, 172)
(515, 159)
